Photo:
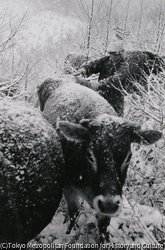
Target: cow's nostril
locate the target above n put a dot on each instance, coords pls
(100, 205)
(118, 202)
(105, 205)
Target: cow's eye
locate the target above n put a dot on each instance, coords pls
(91, 159)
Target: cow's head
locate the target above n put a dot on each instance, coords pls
(97, 154)
(45, 90)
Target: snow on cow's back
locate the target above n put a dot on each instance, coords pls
(73, 102)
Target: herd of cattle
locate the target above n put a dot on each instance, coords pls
(76, 145)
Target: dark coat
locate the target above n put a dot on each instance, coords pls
(106, 67)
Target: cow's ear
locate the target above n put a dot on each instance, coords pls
(72, 131)
(85, 122)
(146, 136)
(91, 125)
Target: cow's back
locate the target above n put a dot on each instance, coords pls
(32, 172)
(74, 102)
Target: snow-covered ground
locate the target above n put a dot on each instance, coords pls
(135, 225)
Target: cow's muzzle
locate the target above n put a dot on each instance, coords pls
(109, 205)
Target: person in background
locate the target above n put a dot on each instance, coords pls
(113, 70)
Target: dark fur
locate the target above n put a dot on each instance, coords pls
(96, 148)
(31, 172)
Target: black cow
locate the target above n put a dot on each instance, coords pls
(32, 172)
(96, 145)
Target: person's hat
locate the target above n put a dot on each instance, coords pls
(115, 47)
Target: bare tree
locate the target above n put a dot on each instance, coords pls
(90, 18)
(160, 27)
(13, 32)
(109, 14)
(140, 18)
(90, 27)
(126, 19)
